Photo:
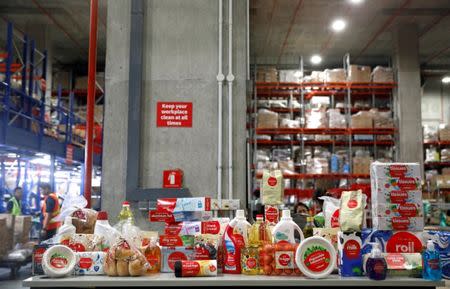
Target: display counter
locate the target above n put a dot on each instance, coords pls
(168, 280)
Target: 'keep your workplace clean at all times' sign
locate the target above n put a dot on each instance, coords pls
(173, 114)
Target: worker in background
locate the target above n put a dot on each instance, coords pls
(14, 206)
(50, 211)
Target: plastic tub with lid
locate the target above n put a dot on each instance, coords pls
(58, 261)
(316, 257)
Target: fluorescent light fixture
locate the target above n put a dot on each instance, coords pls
(356, 1)
(316, 59)
(338, 25)
(446, 79)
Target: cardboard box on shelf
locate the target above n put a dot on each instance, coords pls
(359, 73)
(335, 75)
(362, 119)
(7, 233)
(382, 74)
(22, 228)
(361, 165)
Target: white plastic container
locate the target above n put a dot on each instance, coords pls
(316, 257)
(67, 230)
(58, 261)
(103, 229)
(234, 239)
(284, 230)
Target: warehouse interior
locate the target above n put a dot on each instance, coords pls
(265, 80)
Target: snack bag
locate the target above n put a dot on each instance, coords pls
(124, 259)
(272, 189)
(351, 212)
(330, 211)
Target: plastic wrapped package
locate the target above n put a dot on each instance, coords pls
(362, 119)
(359, 73)
(322, 137)
(336, 119)
(283, 137)
(430, 133)
(382, 74)
(316, 118)
(317, 165)
(361, 162)
(262, 165)
(335, 75)
(317, 76)
(82, 218)
(289, 123)
(444, 132)
(266, 74)
(279, 103)
(264, 103)
(320, 102)
(445, 155)
(267, 119)
(289, 75)
(295, 104)
(281, 154)
(287, 167)
(431, 155)
(263, 155)
(263, 137)
(123, 259)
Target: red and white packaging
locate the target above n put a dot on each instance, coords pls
(170, 241)
(193, 228)
(173, 178)
(414, 224)
(271, 214)
(184, 204)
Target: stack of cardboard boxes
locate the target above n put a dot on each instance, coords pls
(13, 230)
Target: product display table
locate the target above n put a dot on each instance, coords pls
(168, 280)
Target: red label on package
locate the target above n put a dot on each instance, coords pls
(166, 204)
(335, 219)
(211, 227)
(400, 223)
(190, 268)
(161, 216)
(395, 261)
(38, 253)
(58, 261)
(406, 184)
(397, 171)
(272, 181)
(404, 242)
(318, 261)
(170, 241)
(352, 249)
(173, 114)
(85, 263)
(251, 263)
(352, 204)
(272, 214)
(433, 264)
(175, 256)
(398, 197)
(173, 229)
(407, 210)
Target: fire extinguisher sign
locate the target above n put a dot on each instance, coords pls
(172, 178)
(174, 114)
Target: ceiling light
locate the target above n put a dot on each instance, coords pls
(338, 25)
(446, 79)
(356, 1)
(316, 59)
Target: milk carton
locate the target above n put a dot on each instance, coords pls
(349, 252)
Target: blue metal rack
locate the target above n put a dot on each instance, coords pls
(22, 105)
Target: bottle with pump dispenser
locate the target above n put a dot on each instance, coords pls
(376, 267)
(431, 266)
(285, 229)
(234, 240)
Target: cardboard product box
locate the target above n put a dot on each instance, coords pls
(38, 253)
(349, 252)
(413, 224)
(383, 171)
(362, 119)
(392, 242)
(359, 73)
(382, 74)
(169, 255)
(4, 243)
(335, 75)
(361, 165)
(444, 134)
(398, 210)
(22, 228)
(7, 232)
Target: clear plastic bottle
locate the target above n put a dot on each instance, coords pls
(105, 230)
(126, 214)
(66, 231)
(432, 269)
(259, 233)
(250, 260)
(309, 227)
(153, 255)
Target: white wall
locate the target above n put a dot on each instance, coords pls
(435, 102)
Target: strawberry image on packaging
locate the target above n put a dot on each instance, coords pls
(395, 170)
(398, 196)
(184, 204)
(399, 210)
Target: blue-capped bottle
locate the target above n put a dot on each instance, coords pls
(431, 263)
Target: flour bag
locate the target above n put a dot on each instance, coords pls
(272, 188)
(351, 212)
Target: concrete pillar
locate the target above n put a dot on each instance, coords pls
(407, 100)
(180, 64)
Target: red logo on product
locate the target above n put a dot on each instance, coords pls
(407, 210)
(175, 256)
(251, 263)
(170, 241)
(284, 259)
(69, 154)
(433, 264)
(403, 242)
(272, 214)
(395, 261)
(398, 197)
(58, 262)
(173, 229)
(211, 227)
(335, 219)
(318, 261)
(161, 216)
(352, 204)
(85, 263)
(397, 171)
(400, 223)
(172, 178)
(77, 247)
(352, 249)
(407, 184)
(190, 268)
(174, 114)
(272, 181)
(38, 253)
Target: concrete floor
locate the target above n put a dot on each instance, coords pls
(6, 283)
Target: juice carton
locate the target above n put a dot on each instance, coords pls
(349, 251)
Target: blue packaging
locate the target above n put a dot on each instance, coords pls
(334, 163)
(441, 241)
(445, 264)
(350, 257)
(374, 236)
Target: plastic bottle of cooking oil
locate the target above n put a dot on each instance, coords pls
(250, 260)
(126, 214)
(259, 233)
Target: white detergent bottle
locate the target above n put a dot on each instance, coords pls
(66, 231)
(234, 239)
(284, 230)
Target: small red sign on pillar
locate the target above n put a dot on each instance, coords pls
(172, 178)
(174, 114)
(69, 154)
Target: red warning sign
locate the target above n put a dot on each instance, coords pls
(174, 114)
